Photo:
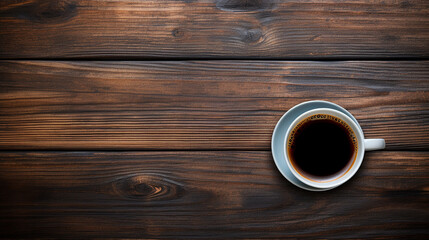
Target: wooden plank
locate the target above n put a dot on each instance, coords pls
(214, 29)
(201, 105)
(219, 194)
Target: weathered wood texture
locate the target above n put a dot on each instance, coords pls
(201, 105)
(205, 194)
(212, 29)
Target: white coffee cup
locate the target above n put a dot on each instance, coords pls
(354, 164)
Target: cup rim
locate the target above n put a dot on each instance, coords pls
(354, 166)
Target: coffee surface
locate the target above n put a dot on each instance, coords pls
(322, 146)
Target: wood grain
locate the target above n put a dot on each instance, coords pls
(201, 105)
(224, 194)
(214, 29)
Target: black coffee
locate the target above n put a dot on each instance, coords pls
(321, 146)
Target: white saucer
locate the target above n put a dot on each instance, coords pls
(277, 140)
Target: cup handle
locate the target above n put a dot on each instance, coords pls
(374, 144)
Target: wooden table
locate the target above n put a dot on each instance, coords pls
(153, 119)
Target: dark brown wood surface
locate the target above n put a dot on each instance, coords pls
(214, 29)
(201, 105)
(221, 194)
(100, 139)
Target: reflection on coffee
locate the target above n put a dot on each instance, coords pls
(321, 147)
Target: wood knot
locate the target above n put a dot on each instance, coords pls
(149, 187)
(251, 35)
(406, 4)
(177, 32)
(44, 11)
(246, 5)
